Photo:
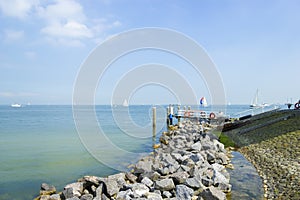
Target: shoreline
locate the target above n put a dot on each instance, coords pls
(277, 162)
(270, 141)
(189, 164)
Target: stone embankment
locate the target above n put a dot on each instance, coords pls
(277, 161)
(188, 165)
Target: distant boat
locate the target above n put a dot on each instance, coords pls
(203, 102)
(16, 105)
(125, 103)
(255, 103)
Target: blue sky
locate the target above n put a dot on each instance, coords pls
(254, 44)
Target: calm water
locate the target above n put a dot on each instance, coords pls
(40, 144)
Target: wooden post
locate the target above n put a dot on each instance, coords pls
(178, 119)
(154, 121)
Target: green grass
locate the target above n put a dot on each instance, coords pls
(226, 141)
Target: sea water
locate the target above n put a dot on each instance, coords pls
(41, 144)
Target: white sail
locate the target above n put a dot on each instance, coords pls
(203, 102)
(125, 103)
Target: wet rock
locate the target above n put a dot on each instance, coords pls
(44, 197)
(47, 189)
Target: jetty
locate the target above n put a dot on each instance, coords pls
(189, 163)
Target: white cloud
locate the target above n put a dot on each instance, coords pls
(17, 8)
(62, 11)
(13, 35)
(63, 21)
(70, 29)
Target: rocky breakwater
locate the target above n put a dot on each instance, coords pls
(188, 165)
(278, 162)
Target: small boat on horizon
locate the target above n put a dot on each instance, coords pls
(125, 103)
(255, 103)
(16, 105)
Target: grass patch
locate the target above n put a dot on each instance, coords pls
(224, 139)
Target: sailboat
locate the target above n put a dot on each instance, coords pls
(203, 102)
(255, 103)
(125, 103)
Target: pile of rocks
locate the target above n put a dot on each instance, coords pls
(189, 164)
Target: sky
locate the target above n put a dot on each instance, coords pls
(253, 44)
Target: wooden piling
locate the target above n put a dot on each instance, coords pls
(154, 120)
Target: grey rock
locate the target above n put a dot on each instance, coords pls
(183, 192)
(77, 188)
(124, 195)
(220, 178)
(206, 181)
(86, 197)
(99, 190)
(45, 197)
(55, 197)
(90, 180)
(139, 189)
(154, 196)
(114, 183)
(166, 194)
(147, 181)
(143, 166)
(193, 183)
(131, 177)
(225, 187)
(73, 198)
(213, 193)
(164, 184)
(47, 189)
(196, 158)
(197, 146)
(69, 193)
(210, 157)
(179, 177)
